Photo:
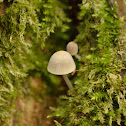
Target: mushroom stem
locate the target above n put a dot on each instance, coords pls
(67, 81)
(77, 56)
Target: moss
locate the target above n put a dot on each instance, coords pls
(25, 25)
(98, 97)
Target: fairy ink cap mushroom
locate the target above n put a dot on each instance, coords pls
(62, 63)
(72, 48)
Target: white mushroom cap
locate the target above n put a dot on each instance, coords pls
(72, 48)
(61, 63)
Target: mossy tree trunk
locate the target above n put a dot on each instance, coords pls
(99, 93)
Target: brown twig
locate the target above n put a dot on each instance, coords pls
(75, 72)
(73, 92)
(94, 103)
(68, 114)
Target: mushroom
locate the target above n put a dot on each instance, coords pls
(72, 48)
(62, 63)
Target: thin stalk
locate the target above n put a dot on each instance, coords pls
(77, 56)
(67, 81)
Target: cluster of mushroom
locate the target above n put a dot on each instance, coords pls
(62, 63)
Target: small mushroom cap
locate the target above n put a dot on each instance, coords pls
(61, 63)
(72, 48)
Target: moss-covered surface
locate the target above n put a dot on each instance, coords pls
(99, 93)
(31, 31)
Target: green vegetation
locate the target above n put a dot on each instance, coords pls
(99, 94)
(25, 25)
(32, 30)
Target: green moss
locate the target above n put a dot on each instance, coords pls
(98, 97)
(25, 25)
